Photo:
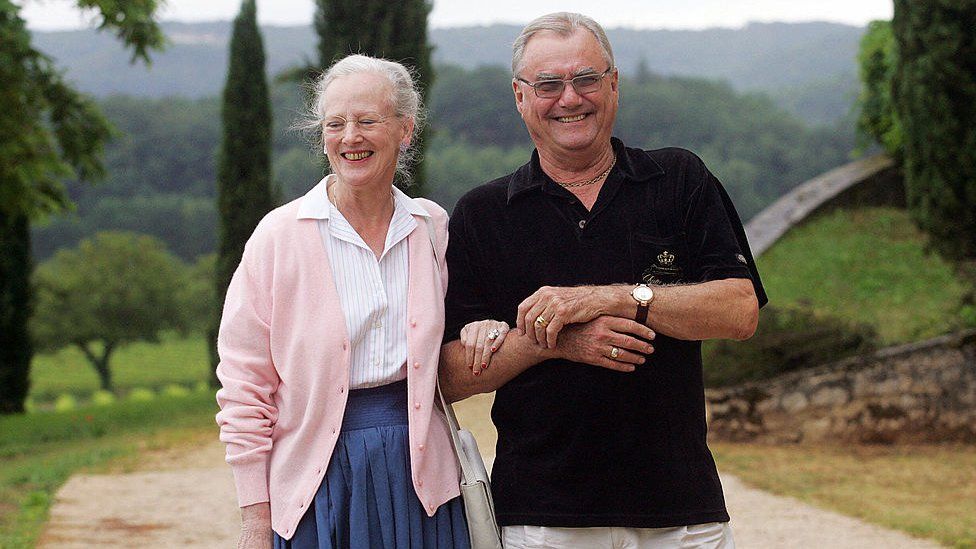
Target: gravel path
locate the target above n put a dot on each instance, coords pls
(188, 501)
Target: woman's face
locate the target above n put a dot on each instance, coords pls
(362, 134)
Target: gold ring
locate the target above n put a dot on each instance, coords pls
(541, 321)
(614, 352)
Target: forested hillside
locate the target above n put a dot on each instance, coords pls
(161, 166)
(808, 68)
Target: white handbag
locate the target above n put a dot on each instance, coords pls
(479, 508)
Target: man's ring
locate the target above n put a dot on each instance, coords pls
(493, 334)
(541, 321)
(614, 352)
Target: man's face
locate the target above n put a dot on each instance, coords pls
(571, 124)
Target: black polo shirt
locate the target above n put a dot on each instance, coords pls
(580, 445)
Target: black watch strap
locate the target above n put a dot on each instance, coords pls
(642, 313)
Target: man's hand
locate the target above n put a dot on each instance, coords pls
(594, 342)
(256, 527)
(560, 306)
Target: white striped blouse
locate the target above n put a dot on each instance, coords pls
(372, 292)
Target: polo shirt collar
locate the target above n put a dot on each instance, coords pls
(315, 204)
(634, 164)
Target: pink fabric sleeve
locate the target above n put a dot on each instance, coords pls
(247, 373)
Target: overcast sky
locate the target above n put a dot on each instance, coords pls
(687, 14)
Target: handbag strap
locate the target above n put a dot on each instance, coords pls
(452, 423)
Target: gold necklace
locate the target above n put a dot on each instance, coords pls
(589, 181)
(334, 196)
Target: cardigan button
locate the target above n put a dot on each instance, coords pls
(413, 323)
(341, 389)
(421, 447)
(416, 365)
(420, 482)
(416, 405)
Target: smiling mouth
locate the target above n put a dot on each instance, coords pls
(357, 155)
(567, 119)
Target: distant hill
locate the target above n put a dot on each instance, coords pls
(809, 68)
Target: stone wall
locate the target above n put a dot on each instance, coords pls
(920, 392)
(872, 181)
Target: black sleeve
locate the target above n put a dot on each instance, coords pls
(466, 294)
(716, 237)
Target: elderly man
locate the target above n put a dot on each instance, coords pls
(614, 263)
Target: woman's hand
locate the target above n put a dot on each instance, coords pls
(480, 340)
(256, 527)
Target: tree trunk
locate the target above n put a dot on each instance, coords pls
(100, 363)
(16, 349)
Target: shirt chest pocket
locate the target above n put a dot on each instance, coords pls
(660, 260)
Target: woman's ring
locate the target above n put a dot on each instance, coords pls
(614, 352)
(541, 321)
(493, 334)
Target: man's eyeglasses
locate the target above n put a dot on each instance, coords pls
(583, 84)
(365, 124)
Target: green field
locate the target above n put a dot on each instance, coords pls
(868, 266)
(177, 360)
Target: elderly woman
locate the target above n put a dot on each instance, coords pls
(330, 337)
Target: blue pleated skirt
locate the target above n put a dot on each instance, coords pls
(367, 499)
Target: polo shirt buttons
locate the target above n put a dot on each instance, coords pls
(582, 224)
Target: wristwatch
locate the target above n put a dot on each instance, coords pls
(643, 295)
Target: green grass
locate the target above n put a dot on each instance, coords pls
(867, 266)
(39, 451)
(175, 360)
(926, 491)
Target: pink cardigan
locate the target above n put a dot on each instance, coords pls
(284, 366)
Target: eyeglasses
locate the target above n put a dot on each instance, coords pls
(583, 84)
(365, 124)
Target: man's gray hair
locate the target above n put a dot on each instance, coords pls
(563, 24)
(405, 99)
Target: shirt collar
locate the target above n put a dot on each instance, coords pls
(315, 204)
(634, 164)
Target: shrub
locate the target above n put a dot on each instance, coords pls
(65, 402)
(174, 390)
(140, 394)
(103, 398)
(787, 339)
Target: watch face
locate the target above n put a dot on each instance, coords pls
(643, 293)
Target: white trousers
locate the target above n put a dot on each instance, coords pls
(712, 535)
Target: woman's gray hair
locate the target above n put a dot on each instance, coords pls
(405, 98)
(564, 24)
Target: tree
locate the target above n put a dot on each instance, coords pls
(935, 101)
(113, 289)
(244, 170)
(380, 28)
(876, 64)
(47, 131)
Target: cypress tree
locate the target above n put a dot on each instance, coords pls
(16, 348)
(244, 192)
(935, 99)
(380, 28)
(48, 130)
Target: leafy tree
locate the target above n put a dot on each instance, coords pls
(244, 192)
(112, 289)
(47, 131)
(935, 100)
(393, 30)
(876, 59)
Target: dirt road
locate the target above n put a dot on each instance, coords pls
(185, 498)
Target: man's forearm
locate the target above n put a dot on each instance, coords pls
(719, 309)
(516, 355)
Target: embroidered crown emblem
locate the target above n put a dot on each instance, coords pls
(665, 258)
